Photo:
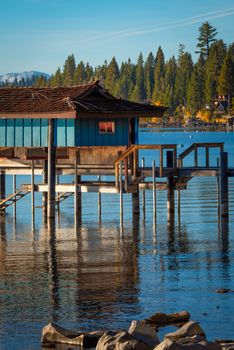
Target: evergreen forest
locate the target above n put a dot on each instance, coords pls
(184, 86)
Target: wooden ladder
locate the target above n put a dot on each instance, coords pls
(13, 198)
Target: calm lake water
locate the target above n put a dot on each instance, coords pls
(97, 278)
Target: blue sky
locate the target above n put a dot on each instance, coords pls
(40, 34)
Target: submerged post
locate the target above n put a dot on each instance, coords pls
(154, 193)
(224, 184)
(170, 188)
(51, 170)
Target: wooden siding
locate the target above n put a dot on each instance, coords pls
(87, 133)
(33, 133)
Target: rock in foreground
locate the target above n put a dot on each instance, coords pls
(53, 334)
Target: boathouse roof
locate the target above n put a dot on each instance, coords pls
(90, 100)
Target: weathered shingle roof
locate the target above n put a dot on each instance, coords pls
(71, 102)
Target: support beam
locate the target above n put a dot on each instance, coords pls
(51, 170)
(154, 194)
(224, 184)
(14, 190)
(99, 203)
(143, 191)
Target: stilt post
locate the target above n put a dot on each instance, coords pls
(170, 188)
(143, 191)
(121, 192)
(51, 169)
(154, 194)
(14, 190)
(32, 191)
(99, 203)
(224, 184)
(45, 181)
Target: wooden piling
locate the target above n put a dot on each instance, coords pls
(121, 193)
(14, 190)
(154, 194)
(77, 195)
(170, 188)
(143, 191)
(51, 170)
(2, 185)
(33, 191)
(45, 181)
(99, 203)
(224, 184)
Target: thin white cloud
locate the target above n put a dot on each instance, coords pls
(175, 24)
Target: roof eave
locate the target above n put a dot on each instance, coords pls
(39, 115)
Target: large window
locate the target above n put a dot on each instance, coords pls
(106, 127)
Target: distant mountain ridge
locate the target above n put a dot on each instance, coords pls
(11, 77)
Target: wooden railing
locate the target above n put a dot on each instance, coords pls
(194, 148)
(129, 160)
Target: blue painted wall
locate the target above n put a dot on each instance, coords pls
(68, 132)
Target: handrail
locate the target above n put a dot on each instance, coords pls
(133, 152)
(194, 147)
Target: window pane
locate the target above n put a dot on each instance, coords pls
(110, 127)
(102, 127)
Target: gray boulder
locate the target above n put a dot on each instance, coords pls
(144, 333)
(167, 344)
(53, 334)
(190, 329)
(120, 341)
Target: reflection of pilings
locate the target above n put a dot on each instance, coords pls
(51, 169)
(170, 188)
(2, 186)
(223, 184)
(178, 205)
(53, 270)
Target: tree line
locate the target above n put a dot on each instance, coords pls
(178, 83)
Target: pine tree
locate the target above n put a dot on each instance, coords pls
(112, 76)
(56, 79)
(207, 35)
(69, 71)
(212, 69)
(80, 74)
(184, 70)
(89, 73)
(226, 78)
(149, 75)
(195, 95)
(159, 72)
(138, 93)
(169, 83)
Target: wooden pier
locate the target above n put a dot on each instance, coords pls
(127, 174)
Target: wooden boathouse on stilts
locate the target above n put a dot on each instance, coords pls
(84, 130)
